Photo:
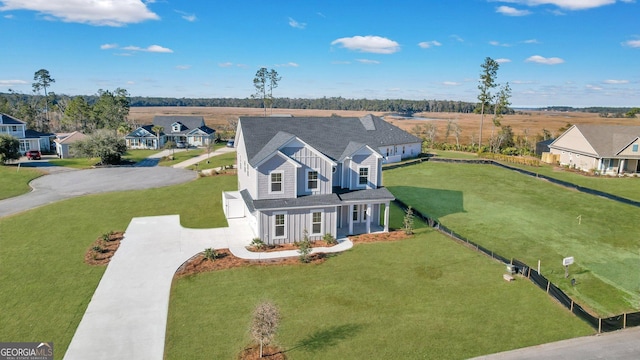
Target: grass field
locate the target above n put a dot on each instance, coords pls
(14, 181)
(45, 284)
(86, 163)
(420, 298)
(216, 161)
(627, 187)
(525, 218)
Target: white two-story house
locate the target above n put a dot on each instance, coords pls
(29, 139)
(314, 175)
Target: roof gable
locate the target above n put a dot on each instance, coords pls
(186, 122)
(604, 140)
(71, 138)
(10, 120)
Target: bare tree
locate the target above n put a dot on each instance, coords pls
(265, 323)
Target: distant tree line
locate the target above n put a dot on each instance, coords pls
(604, 111)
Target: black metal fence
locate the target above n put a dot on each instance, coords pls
(613, 323)
(522, 171)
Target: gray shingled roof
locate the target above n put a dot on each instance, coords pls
(608, 140)
(10, 120)
(334, 199)
(329, 135)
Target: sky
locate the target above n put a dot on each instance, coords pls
(551, 52)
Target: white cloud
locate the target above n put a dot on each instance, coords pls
(593, 87)
(509, 11)
(289, 64)
(9, 16)
(367, 61)
(7, 83)
(93, 12)
(152, 48)
(531, 41)
(503, 60)
(456, 38)
(225, 64)
(565, 4)
(543, 60)
(450, 83)
(368, 44)
(497, 43)
(108, 46)
(183, 67)
(632, 43)
(428, 44)
(187, 16)
(616, 82)
(297, 25)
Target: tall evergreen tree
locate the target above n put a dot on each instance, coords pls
(487, 83)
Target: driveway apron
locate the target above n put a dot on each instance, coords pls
(127, 316)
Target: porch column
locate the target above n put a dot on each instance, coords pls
(350, 216)
(386, 217)
(621, 167)
(600, 164)
(369, 218)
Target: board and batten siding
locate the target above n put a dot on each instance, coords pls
(310, 160)
(297, 221)
(276, 163)
(362, 160)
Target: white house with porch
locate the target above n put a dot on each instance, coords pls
(312, 176)
(29, 139)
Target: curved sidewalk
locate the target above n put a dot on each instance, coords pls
(127, 315)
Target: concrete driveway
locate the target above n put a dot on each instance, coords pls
(67, 184)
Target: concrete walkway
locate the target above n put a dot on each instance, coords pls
(127, 315)
(203, 157)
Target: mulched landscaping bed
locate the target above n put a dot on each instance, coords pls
(103, 249)
(268, 352)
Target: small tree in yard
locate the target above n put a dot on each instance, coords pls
(9, 148)
(407, 222)
(104, 145)
(305, 248)
(265, 323)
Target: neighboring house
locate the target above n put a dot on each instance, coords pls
(608, 149)
(186, 130)
(314, 175)
(29, 139)
(65, 141)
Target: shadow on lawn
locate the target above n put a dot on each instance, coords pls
(327, 337)
(434, 203)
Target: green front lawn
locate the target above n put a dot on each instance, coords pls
(180, 156)
(45, 284)
(216, 161)
(626, 187)
(522, 217)
(425, 297)
(15, 180)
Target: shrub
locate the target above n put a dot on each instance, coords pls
(329, 239)
(257, 243)
(97, 249)
(265, 323)
(210, 254)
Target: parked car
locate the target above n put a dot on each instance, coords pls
(181, 145)
(33, 155)
(230, 143)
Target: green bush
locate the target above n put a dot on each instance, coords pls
(329, 239)
(210, 254)
(257, 243)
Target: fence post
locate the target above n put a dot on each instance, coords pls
(548, 284)
(529, 275)
(599, 325)
(571, 305)
(624, 320)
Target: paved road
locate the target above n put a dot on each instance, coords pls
(67, 184)
(619, 345)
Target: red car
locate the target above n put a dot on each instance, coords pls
(33, 155)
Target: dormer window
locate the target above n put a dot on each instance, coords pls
(175, 127)
(276, 182)
(363, 176)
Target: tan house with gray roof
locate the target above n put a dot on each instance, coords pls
(608, 149)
